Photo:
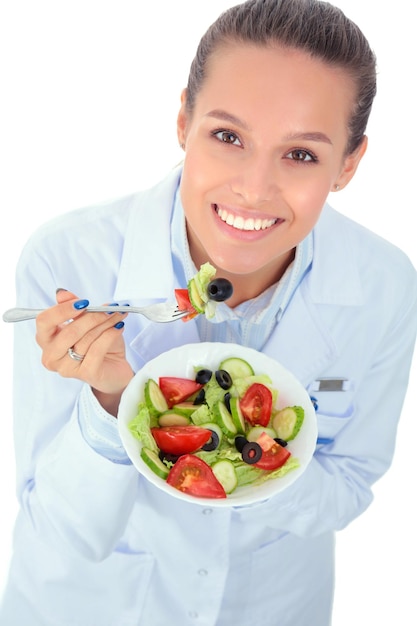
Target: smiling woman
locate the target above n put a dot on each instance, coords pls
(258, 165)
(266, 177)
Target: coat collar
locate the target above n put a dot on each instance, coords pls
(335, 277)
(146, 272)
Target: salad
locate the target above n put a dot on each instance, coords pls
(211, 434)
(203, 292)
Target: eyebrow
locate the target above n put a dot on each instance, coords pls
(307, 136)
(227, 117)
(314, 136)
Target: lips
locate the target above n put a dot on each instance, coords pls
(241, 223)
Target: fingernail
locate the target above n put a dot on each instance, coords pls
(112, 304)
(60, 289)
(119, 325)
(81, 304)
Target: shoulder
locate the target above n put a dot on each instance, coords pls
(103, 224)
(355, 267)
(360, 247)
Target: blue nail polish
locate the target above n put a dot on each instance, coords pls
(115, 304)
(119, 325)
(81, 304)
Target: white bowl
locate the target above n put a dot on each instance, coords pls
(181, 362)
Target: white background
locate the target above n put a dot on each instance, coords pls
(90, 92)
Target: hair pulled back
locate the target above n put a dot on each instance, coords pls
(316, 27)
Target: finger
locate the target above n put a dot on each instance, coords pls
(80, 335)
(107, 345)
(50, 321)
(87, 364)
(63, 295)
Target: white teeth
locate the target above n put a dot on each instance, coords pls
(244, 224)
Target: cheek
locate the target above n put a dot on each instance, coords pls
(308, 199)
(306, 207)
(198, 180)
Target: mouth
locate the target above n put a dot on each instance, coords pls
(246, 224)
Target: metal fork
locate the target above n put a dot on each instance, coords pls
(160, 312)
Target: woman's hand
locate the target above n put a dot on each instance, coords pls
(97, 337)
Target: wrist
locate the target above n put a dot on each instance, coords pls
(109, 401)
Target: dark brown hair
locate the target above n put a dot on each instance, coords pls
(318, 28)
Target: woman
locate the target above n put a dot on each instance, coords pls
(272, 120)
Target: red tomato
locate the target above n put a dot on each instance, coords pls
(256, 404)
(183, 300)
(193, 476)
(180, 439)
(176, 389)
(273, 454)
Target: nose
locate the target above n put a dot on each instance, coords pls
(256, 181)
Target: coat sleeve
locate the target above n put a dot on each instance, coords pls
(72, 495)
(336, 487)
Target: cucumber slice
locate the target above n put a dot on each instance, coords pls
(153, 461)
(214, 427)
(225, 473)
(171, 418)
(254, 433)
(205, 274)
(287, 422)
(223, 418)
(185, 408)
(237, 368)
(195, 297)
(238, 419)
(154, 398)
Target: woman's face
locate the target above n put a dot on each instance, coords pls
(264, 146)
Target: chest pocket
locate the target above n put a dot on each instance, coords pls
(334, 410)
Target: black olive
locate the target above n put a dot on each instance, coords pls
(240, 442)
(281, 442)
(224, 379)
(169, 458)
(200, 397)
(226, 400)
(203, 376)
(251, 452)
(212, 443)
(220, 289)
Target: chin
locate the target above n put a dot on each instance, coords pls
(236, 265)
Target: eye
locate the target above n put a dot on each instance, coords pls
(227, 136)
(302, 156)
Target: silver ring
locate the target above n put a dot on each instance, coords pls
(74, 355)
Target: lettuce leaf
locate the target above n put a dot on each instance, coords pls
(141, 425)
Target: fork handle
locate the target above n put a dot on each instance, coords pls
(20, 315)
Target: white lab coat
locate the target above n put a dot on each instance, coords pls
(94, 544)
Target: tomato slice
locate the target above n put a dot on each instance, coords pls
(273, 454)
(180, 439)
(192, 475)
(176, 389)
(256, 404)
(184, 304)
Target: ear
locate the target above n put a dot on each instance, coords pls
(182, 119)
(350, 164)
